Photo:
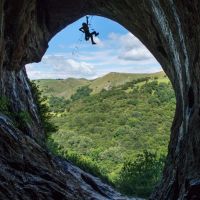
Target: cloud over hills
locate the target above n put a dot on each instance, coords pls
(118, 52)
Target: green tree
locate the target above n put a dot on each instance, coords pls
(43, 109)
(57, 104)
(81, 92)
(140, 176)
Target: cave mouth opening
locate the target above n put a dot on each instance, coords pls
(118, 120)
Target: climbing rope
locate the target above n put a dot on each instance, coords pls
(90, 22)
(75, 51)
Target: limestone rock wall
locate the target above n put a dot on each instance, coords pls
(170, 30)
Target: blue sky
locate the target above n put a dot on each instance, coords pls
(117, 50)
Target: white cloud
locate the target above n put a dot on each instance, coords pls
(58, 66)
(99, 42)
(62, 64)
(130, 48)
(126, 41)
(139, 54)
(117, 53)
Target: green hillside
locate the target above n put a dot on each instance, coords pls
(60, 87)
(115, 132)
(67, 87)
(114, 79)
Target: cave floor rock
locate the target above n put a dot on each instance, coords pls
(28, 171)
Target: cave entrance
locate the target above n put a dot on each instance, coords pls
(112, 102)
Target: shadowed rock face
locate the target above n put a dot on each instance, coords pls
(169, 29)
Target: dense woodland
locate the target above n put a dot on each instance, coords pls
(120, 133)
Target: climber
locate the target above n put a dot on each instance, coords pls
(85, 29)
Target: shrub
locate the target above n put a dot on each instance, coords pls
(81, 92)
(4, 105)
(58, 104)
(43, 109)
(140, 176)
(21, 119)
(84, 162)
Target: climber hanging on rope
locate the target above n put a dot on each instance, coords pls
(85, 29)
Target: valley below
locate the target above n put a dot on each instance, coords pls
(115, 127)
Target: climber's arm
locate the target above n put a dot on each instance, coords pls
(82, 30)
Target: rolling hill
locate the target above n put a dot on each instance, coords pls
(67, 87)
